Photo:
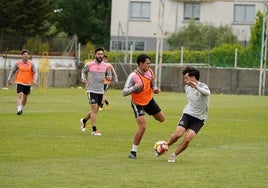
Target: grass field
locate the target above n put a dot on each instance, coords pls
(44, 147)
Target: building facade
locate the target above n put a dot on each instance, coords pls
(137, 22)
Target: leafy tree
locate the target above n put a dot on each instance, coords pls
(254, 48)
(89, 20)
(26, 18)
(198, 36)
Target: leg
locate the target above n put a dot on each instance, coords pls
(141, 122)
(19, 103)
(185, 143)
(19, 98)
(159, 116)
(93, 114)
(176, 135)
(24, 100)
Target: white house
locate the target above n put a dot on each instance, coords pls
(138, 22)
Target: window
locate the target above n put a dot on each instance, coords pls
(121, 45)
(244, 13)
(191, 11)
(140, 10)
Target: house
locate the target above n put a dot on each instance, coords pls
(139, 23)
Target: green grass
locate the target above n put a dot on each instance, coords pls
(45, 147)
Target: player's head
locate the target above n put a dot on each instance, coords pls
(143, 61)
(24, 54)
(191, 72)
(142, 58)
(105, 58)
(99, 52)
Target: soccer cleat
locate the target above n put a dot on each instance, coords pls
(83, 125)
(172, 158)
(96, 133)
(19, 112)
(132, 155)
(100, 108)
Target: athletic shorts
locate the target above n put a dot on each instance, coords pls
(94, 98)
(190, 122)
(106, 86)
(151, 108)
(26, 90)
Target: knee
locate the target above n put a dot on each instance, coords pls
(162, 119)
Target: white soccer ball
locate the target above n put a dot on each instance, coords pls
(161, 147)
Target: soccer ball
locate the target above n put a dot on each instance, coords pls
(161, 147)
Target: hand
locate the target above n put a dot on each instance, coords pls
(156, 90)
(138, 87)
(84, 80)
(193, 84)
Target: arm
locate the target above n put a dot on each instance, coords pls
(131, 86)
(108, 74)
(11, 73)
(114, 75)
(203, 89)
(84, 74)
(34, 70)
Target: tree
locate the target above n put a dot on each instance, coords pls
(25, 18)
(254, 48)
(198, 36)
(89, 20)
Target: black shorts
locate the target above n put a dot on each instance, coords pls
(106, 86)
(26, 90)
(94, 98)
(151, 108)
(190, 122)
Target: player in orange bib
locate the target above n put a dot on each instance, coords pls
(25, 76)
(141, 86)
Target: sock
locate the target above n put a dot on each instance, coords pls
(106, 102)
(19, 108)
(134, 148)
(84, 120)
(94, 128)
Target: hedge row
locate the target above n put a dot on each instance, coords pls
(223, 56)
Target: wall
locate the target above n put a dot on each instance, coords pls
(220, 80)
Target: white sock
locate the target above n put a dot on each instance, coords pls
(19, 108)
(134, 148)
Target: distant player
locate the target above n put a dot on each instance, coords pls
(108, 82)
(25, 76)
(93, 75)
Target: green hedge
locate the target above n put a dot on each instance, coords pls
(223, 56)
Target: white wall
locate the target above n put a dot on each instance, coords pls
(56, 62)
(214, 12)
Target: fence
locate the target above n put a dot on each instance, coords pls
(220, 80)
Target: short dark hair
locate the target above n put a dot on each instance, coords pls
(105, 56)
(191, 71)
(99, 49)
(24, 51)
(142, 58)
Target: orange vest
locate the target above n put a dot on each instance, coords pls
(24, 74)
(106, 81)
(144, 97)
